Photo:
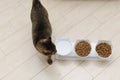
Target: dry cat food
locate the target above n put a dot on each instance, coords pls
(103, 50)
(83, 48)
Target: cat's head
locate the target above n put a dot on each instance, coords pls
(46, 46)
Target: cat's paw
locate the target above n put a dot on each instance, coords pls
(50, 61)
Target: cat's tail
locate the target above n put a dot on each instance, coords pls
(36, 2)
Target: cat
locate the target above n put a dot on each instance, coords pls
(42, 31)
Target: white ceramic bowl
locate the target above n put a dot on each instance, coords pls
(63, 46)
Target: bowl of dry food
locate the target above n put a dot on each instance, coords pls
(82, 48)
(104, 49)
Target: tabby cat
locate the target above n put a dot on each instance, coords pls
(41, 30)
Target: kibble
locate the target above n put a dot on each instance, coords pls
(104, 50)
(83, 48)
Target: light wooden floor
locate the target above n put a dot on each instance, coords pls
(88, 19)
